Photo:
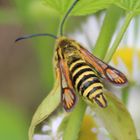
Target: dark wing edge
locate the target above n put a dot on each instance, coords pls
(105, 71)
(68, 96)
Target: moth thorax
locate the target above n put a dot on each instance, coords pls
(63, 41)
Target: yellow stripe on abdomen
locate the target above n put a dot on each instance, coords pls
(81, 76)
(85, 79)
(74, 63)
(79, 69)
(94, 94)
(90, 88)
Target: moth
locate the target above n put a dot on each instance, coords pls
(80, 71)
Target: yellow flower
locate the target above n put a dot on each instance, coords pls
(86, 132)
(92, 127)
(127, 59)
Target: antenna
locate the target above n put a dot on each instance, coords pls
(47, 34)
(66, 15)
(34, 35)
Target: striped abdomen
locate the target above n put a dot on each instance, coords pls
(86, 81)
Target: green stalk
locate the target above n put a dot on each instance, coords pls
(75, 120)
(125, 94)
(119, 37)
(109, 25)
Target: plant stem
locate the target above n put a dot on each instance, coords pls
(109, 25)
(119, 37)
(75, 120)
(125, 94)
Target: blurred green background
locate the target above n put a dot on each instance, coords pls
(26, 74)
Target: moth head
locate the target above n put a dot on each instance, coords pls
(66, 45)
(62, 42)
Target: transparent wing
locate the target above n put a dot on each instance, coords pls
(68, 96)
(105, 71)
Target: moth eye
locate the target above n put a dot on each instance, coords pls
(64, 43)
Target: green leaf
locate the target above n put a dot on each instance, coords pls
(63, 124)
(60, 6)
(46, 108)
(116, 119)
(129, 5)
(83, 7)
